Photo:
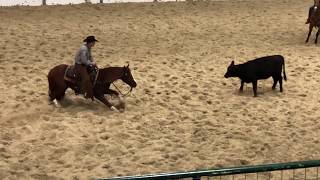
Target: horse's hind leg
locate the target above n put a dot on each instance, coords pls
(52, 98)
(51, 91)
(60, 94)
(56, 93)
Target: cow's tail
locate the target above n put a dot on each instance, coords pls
(284, 71)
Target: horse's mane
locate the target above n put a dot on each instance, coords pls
(111, 67)
(110, 73)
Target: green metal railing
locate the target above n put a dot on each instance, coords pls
(196, 175)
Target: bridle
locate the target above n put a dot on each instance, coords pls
(126, 94)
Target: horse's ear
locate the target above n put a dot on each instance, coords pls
(128, 65)
(232, 63)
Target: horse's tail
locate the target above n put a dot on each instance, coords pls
(51, 83)
(55, 78)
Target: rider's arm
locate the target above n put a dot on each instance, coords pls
(90, 57)
(84, 58)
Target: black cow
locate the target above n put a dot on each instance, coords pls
(260, 68)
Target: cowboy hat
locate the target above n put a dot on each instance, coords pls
(90, 39)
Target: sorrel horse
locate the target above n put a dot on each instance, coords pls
(58, 84)
(314, 22)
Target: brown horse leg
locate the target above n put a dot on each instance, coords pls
(51, 95)
(60, 89)
(51, 91)
(61, 94)
(58, 92)
(112, 92)
(310, 30)
(106, 102)
(317, 36)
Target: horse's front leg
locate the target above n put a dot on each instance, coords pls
(110, 91)
(101, 98)
(310, 30)
(113, 92)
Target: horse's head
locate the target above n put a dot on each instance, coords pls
(127, 77)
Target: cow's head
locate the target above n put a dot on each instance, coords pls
(232, 71)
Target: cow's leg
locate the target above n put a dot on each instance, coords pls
(275, 80)
(317, 36)
(254, 86)
(280, 82)
(310, 30)
(106, 102)
(241, 86)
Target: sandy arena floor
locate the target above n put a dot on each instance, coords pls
(183, 115)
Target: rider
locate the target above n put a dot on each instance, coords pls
(83, 59)
(312, 9)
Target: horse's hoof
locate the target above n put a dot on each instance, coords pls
(56, 103)
(49, 100)
(114, 109)
(122, 99)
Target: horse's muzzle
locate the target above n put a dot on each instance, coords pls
(133, 85)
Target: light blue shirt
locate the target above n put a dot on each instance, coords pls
(83, 56)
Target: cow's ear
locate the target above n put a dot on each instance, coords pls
(232, 63)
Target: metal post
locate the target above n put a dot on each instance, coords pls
(293, 174)
(44, 2)
(305, 173)
(269, 175)
(101, 1)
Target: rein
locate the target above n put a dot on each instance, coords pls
(121, 92)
